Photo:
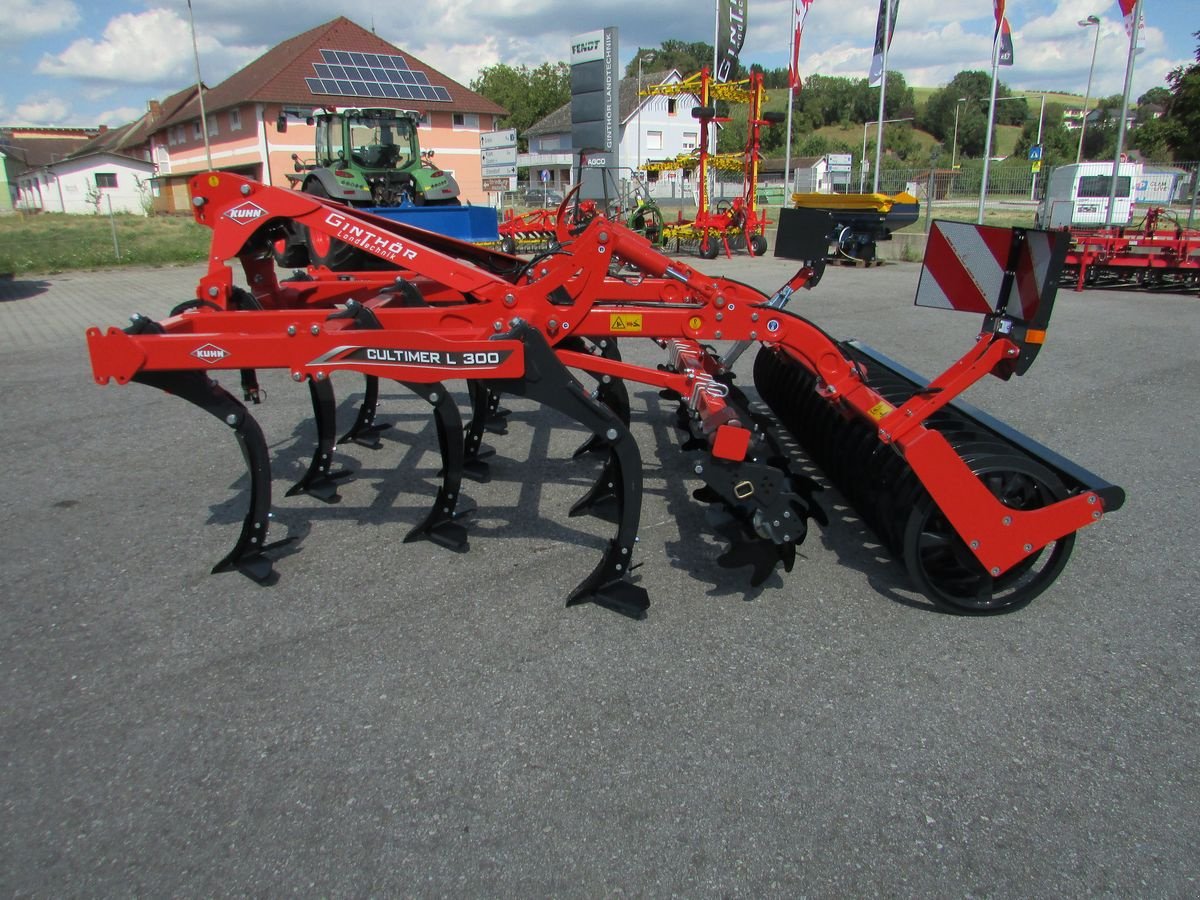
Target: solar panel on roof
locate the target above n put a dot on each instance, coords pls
(345, 73)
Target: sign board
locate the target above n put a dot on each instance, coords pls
(1035, 166)
(503, 157)
(840, 162)
(494, 140)
(1035, 152)
(595, 114)
(498, 152)
(499, 185)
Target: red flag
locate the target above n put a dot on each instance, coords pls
(999, 5)
(799, 13)
(1127, 8)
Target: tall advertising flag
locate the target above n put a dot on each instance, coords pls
(799, 13)
(1127, 7)
(1005, 57)
(999, 9)
(876, 76)
(731, 18)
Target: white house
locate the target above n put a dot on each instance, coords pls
(652, 128)
(90, 183)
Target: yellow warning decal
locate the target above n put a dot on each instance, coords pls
(624, 322)
(879, 410)
(695, 322)
(213, 180)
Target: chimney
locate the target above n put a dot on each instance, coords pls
(155, 109)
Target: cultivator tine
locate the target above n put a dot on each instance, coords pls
(251, 392)
(365, 431)
(439, 525)
(247, 555)
(548, 382)
(485, 409)
(610, 391)
(320, 480)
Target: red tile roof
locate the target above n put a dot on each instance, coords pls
(278, 77)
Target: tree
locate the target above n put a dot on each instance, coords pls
(687, 57)
(1184, 115)
(528, 94)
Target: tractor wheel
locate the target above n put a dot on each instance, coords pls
(508, 245)
(326, 251)
(290, 249)
(711, 249)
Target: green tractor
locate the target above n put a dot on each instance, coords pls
(370, 158)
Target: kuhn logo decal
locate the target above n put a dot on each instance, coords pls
(210, 353)
(246, 212)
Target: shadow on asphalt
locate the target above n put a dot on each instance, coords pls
(20, 289)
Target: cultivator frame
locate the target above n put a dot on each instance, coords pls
(443, 310)
(1149, 256)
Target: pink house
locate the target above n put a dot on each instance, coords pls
(330, 65)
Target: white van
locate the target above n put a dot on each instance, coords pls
(1078, 195)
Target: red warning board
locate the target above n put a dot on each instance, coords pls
(967, 268)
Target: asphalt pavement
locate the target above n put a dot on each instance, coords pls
(399, 719)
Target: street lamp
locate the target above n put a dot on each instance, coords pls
(987, 145)
(862, 169)
(1087, 23)
(954, 149)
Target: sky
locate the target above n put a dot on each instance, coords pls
(92, 62)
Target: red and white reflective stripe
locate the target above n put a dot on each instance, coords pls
(1033, 267)
(965, 266)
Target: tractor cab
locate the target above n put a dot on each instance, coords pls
(372, 157)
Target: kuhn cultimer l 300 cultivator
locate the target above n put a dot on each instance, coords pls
(983, 518)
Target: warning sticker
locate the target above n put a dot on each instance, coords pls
(695, 322)
(879, 410)
(624, 322)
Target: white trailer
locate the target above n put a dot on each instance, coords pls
(1077, 194)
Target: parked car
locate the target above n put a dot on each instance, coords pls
(540, 196)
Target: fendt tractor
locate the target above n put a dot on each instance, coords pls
(372, 159)
(983, 517)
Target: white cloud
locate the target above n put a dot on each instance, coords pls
(47, 111)
(122, 115)
(154, 47)
(25, 19)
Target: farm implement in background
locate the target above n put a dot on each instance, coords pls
(731, 224)
(1158, 254)
(983, 517)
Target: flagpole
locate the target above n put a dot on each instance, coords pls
(1133, 40)
(200, 90)
(987, 143)
(787, 152)
(887, 33)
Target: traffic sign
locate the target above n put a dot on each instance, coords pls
(1035, 152)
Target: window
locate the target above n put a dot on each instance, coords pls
(235, 120)
(466, 121)
(1100, 185)
(212, 125)
(672, 108)
(196, 132)
(425, 121)
(106, 179)
(654, 140)
(689, 139)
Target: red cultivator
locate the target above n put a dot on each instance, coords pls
(1152, 255)
(983, 517)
